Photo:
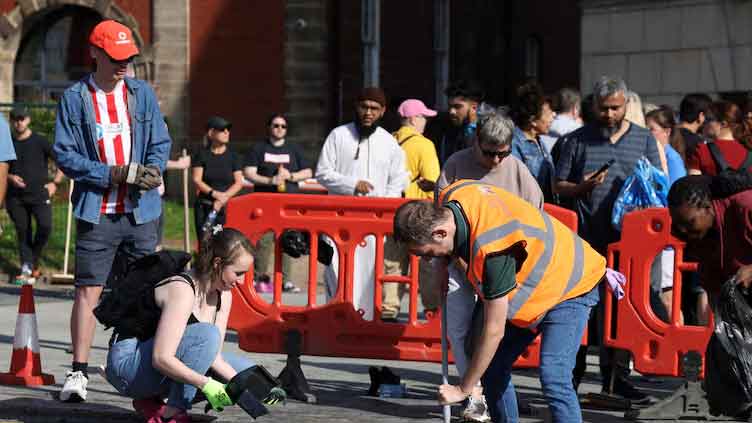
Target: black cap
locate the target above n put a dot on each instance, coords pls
(216, 122)
(19, 112)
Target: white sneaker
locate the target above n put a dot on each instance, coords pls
(74, 389)
(476, 410)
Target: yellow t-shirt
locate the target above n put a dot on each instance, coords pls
(422, 161)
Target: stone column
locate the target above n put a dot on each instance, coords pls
(307, 72)
(171, 64)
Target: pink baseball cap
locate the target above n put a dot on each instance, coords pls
(413, 107)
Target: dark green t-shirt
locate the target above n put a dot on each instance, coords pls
(499, 270)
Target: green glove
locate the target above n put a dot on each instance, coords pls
(216, 395)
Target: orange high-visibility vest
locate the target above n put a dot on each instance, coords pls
(559, 265)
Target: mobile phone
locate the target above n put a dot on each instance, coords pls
(603, 168)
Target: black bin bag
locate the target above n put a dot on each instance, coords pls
(728, 360)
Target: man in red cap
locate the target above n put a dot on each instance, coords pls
(110, 137)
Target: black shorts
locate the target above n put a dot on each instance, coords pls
(98, 244)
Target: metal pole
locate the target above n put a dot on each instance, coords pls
(441, 32)
(370, 35)
(447, 411)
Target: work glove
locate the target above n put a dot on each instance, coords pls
(144, 177)
(276, 395)
(216, 395)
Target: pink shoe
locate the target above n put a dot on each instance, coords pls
(264, 287)
(149, 407)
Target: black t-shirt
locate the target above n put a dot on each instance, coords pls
(267, 158)
(218, 168)
(32, 155)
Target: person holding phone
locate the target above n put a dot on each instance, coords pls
(582, 175)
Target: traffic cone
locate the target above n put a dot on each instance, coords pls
(25, 363)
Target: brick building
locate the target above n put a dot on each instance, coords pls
(244, 59)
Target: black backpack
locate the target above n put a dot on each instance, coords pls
(721, 163)
(129, 299)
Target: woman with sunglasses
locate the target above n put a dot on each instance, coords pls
(275, 165)
(532, 115)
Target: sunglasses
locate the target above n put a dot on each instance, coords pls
(121, 62)
(279, 125)
(496, 154)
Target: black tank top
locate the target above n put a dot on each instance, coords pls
(151, 312)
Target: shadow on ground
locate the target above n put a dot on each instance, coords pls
(32, 410)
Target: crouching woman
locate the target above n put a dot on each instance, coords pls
(189, 314)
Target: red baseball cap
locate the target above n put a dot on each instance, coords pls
(115, 39)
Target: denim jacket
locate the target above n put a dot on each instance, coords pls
(537, 160)
(78, 157)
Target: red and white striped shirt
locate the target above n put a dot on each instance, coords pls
(113, 140)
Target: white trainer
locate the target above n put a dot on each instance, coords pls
(476, 410)
(74, 389)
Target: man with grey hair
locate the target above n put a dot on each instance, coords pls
(489, 160)
(610, 138)
(567, 105)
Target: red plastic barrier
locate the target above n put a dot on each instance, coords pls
(335, 328)
(657, 346)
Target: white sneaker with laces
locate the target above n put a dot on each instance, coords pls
(74, 389)
(476, 410)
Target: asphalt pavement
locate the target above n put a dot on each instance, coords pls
(340, 384)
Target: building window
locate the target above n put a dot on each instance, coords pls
(533, 57)
(53, 53)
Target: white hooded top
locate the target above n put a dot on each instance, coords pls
(381, 162)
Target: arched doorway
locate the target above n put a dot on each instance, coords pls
(53, 53)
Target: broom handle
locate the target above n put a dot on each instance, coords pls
(68, 223)
(186, 214)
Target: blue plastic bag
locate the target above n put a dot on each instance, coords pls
(646, 187)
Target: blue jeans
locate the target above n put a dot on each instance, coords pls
(561, 332)
(130, 370)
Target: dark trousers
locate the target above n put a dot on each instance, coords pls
(30, 243)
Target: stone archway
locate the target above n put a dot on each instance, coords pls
(11, 25)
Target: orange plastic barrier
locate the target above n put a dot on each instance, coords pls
(657, 346)
(335, 328)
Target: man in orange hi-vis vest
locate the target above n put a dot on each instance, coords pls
(530, 271)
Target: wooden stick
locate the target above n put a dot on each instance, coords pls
(68, 224)
(186, 214)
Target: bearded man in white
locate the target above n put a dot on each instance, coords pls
(362, 159)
